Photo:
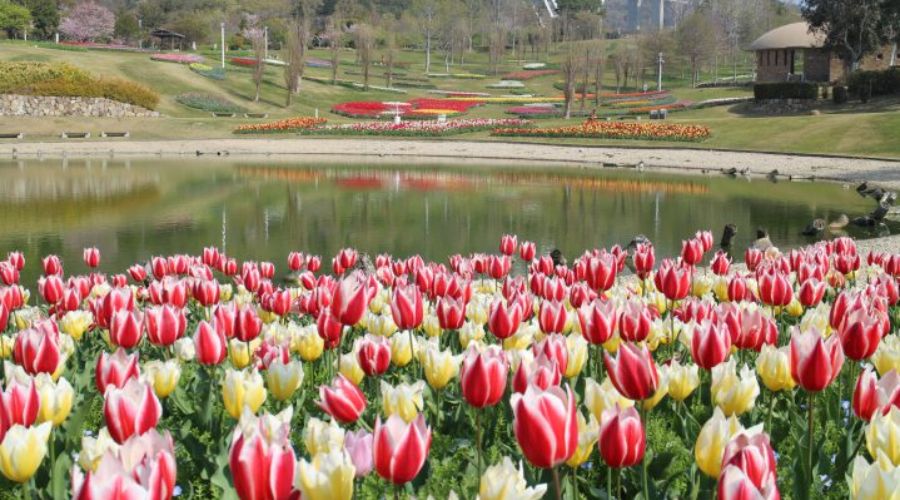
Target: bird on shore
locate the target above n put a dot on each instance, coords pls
(731, 171)
(839, 223)
(558, 258)
(728, 234)
(772, 175)
(814, 228)
(640, 166)
(762, 242)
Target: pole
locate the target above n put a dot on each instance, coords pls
(222, 26)
(662, 14)
(659, 61)
(265, 42)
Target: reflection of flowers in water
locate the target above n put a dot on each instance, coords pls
(450, 180)
(77, 183)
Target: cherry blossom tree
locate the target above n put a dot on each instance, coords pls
(87, 22)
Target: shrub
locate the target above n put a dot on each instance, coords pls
(785, 90)
(875, 83)
(217, 73)
(208, 102)
(45, 79)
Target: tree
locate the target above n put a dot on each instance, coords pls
(853, 27)
(87, 22)
(127, 26)
(256, 35)
(44, 16)
(14, 19)
(426, 12)
(696, 40)
(365, 44)
(302, 14)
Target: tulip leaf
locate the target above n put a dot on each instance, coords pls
(58, 483)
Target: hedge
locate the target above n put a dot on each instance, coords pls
(208, 102)
(64, 80)
(786, 90)
(874, 83)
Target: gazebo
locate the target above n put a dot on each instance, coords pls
(164, 35)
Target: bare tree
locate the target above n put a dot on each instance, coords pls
(257, 38)
(389, 34)
(426, 12)
(569, 67)
(302, 14)
(696, 40)
(365, 44)
(335, 36)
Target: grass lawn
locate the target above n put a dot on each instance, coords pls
(871, 130)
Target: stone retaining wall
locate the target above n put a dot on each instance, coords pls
(27, 105)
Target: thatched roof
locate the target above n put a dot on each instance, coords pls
(790, 36)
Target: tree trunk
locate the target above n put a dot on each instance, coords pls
(428, 51)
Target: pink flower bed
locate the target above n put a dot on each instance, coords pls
(178, 58)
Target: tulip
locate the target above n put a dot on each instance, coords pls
(715, 434)
(861, 331)
(73, 324)
(283, 379)
(811, 292)
(350, 299)
(483, 376)
(588, 434)
(440, 367)
(374, 354)
(601, 397)
(328, 476)
(601, 272)
(451, 313)
(773, 365)
(261, 458)
(541, 372)
(359, 445)
(545, 425)
(883, 434)
(210, 344)
(132, 409)
(322, 437)
(9, 274)
(38, 351)
(308, 344)
(241, 353)
(682, 380)
(504, 481)
(552, 316)
(165, 324)
(163, 375)
(20, 402)
(91, 257)
(644, 258)
(126, 328)
(720, 263)
(508, 244)
(815, 362)
(527, 251)
(879, 480)
(348, 365)
(504, 319)
(400, 448)
(736, 484)
(577, 348)
(404, 400)
(115, 370)
(634, 321)
(51, 265)
(598, 320)
(56, 399)
(673, 280)
(342, 400)
(51, 288)
(751, 452)
(632, 371)
(247, 324)
(242, 389)
(22, 450)
(735, 394)
(865, 395)
(887, 356)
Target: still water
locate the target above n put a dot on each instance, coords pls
(261, 210)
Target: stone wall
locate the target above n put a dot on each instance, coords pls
(27, 105)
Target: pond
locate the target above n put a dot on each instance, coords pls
(261, 210)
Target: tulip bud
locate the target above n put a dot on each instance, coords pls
(400, 448)
(815, 362)
(404, 400)
(773, 365)
(541, 418)
(163, 375)
(682, 380)
(242, 389)
(503, 481)
(75, 323)
(56, 399)
(632, 371)
(734, 394)
(483, 376)
(440, 366)
(283, 379)
(329, 476)
(623, 437)
(22, 450)
(133, 409)
(261, 458)
(715, 434)
(342, 400)
(210, 344)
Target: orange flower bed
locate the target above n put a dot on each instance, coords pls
(286, 125)
(614, 130)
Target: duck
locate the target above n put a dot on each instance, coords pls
(762, 242)
(839, 223)
(814, 228)
(731, 171)
(558, 258)
(772, 175)
(728, 234)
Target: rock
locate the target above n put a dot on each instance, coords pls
(26, 105)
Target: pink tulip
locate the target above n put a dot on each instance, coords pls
(8, 273)
(527, 251)
(483, 376)
(692, 251)
(552, 316)
(206, 292)
(37, 349)
(720, 263)
(115, 369)
(165, 324)
(262, 461)
(504, 318)
(755, 330)
(815, 362)
(710, 344)
(599, 320)
(51, 288)
(359, 446)
(131, 410)
(811, 292)
(774, 288)
(632, 371)
(861, 331)
(752, 258)
(91, 257)
(543, 372)
(634, 321)
(374, 354)
(554, 347)
(19, 405)
(644, 258)
(342, 400)
(872, 394)
(52, 265)
(673, 280)
(351, 298)
(126, 328)
(451, 313)
(601, 272)
(545, 425)
(705, 238)
(400, 448)
(622, 439)
(406, 307)
(17, 259)
(508, 244)
(247, 324)
(329, 328)
(210, 344)
(748, 468)
(735, 484)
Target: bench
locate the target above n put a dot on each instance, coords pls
(223, 115)
(256, 115)
(76, 135)
(12, 135)
(115, 134)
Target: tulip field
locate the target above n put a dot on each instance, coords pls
(511, 375)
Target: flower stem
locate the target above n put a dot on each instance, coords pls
(809, 430)
(646, 419)
(556, 483)
(575, 481)
(609, 482)
(478, 440)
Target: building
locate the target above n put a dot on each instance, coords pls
(793, 53)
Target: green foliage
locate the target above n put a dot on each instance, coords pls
(127, 26)
(44, 15)
(208, 102)
(875, 83)
(786, 90)
(29, 78)
(13, 18)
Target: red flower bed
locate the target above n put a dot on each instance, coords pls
(528, 74)
(415, 108)
(243, 61)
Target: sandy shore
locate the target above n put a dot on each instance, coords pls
(885, 172)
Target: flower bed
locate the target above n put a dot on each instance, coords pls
(420, 107)
(315, 62)
(507, 84)
(217, 73)
(460, 93)
(287, 125)
(247, 62)
(418, 128)
(457, 76)
(528, 74)
(178, 58)
(614, 130)
(533, 66)
(208, 102)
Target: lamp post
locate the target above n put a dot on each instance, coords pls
(222, 27)
(659, 62)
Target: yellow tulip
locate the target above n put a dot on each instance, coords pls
(403, 399)
(774, 368)
(660, 301)
(240, 354)
(163, 376)
(612, 345)
(440, 367)
(378, 302)
(662, 388)
(75, 323)
(185, 350)
(240, 389)
(522, 339)
(477, 312)
(720, 289)
(601, 397)
(56, 399)
(348, 365)
(588, 433)
(26, 316)
(380, 324)
(883, 435)
(402, 349)
(887, 356)
(226, 292)
(879, 480)
(283, 379)
(714, 435)
(22, 450)
(818, 318)
(702, 285)
(733, 393)
(267, 317)
(470, 331)
(93, 449)
(329, 476)
(278, 333)
(432, 326)
(322, 437)
(682, 380)
(307, 343)
(6, 346)
(503, 481)
(794, 309)
(578, 354)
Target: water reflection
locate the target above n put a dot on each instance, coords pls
(262, 210)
